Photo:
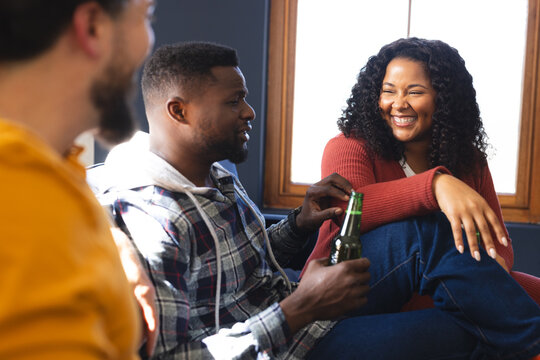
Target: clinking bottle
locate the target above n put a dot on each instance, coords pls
(347, 245)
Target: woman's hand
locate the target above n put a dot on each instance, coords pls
(468, 210)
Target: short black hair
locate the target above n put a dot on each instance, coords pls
(185, 64)
(458, 136)
(29, 27)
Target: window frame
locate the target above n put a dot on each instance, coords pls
(280, 192)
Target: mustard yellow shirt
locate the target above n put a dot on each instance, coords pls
(63, 292)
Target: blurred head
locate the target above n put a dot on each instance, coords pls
(200, 85)
(112, 92)
(445, 115)
(30, 28)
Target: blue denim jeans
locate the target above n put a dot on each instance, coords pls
(429, 334)
(418, 255)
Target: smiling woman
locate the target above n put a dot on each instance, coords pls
(414, 107)
(296, 60)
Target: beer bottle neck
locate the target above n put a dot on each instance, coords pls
(353, 216)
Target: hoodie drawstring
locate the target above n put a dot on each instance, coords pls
(218, 254)
(218, 251)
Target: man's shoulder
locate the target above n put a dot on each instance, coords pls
(21, 149)
(51, 197)
(30, 172)
(166, 215)
(152, 201)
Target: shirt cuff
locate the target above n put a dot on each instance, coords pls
(291, 217)
(270, 329)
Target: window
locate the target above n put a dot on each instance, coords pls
(312, 69)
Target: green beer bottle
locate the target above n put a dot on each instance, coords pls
(346, 245)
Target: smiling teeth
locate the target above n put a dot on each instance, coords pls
(401, 120)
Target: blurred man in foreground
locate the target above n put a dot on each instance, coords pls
(65, 68)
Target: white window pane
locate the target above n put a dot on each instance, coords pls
(334, 40)
(490, 35)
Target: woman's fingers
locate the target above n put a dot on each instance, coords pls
(483, 235)
(496, 226)
(457, 232)
(470, 231)
(477, 234)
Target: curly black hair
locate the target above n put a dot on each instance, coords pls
(458, 136)
(185, 64)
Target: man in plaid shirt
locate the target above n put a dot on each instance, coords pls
(204, 244)
(174, 218)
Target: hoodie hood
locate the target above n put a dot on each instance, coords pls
(131, 165)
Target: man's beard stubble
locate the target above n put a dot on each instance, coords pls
(229, 149)
(237, 154)
(220, 147)
(110, 95)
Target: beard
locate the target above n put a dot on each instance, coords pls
(238, 155)
(111, 95)
(234, 150)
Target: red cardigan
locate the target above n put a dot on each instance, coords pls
(390, 196)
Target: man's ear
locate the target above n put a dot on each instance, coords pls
(90, 22)
(176, 109)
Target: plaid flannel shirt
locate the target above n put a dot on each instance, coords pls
(178, 251)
